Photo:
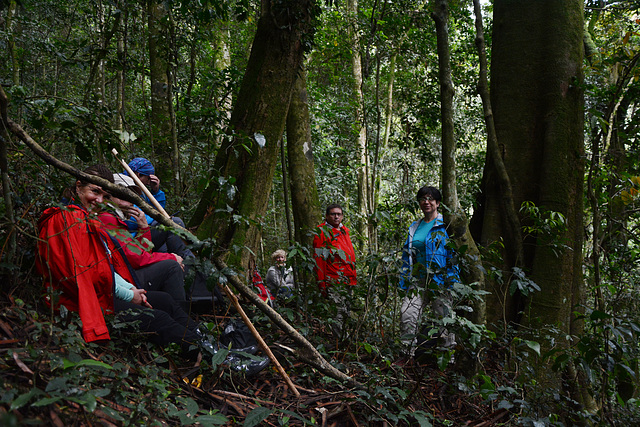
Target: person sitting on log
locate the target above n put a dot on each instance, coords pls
(85, 270)
(157, 271)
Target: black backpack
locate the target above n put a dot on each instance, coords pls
(238, 335)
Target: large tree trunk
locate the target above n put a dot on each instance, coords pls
(538, 107)
(161, 115)
(304, 193)
(248, 155)
(538, 114)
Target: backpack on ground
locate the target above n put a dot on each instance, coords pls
(261, 289)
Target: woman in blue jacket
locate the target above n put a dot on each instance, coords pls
(427, 261)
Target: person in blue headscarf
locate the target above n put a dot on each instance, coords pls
(163, 240)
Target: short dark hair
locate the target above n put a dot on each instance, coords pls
(99, 170)
(429, 191)
(333, 206)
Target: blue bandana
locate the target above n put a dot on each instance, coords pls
(142, 166)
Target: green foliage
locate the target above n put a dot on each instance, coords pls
(548, 227)
(71, 110)
(142, 391)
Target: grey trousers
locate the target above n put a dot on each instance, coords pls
(411, 313)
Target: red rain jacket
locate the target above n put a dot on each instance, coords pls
(335, 256)
(135, 249)
(78, 259)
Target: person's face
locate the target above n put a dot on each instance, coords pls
(122, 204)
(91, 196)
(144, 179)
(428, 205)
(334, 217)
(281, 259)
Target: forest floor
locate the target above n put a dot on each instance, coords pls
(141, 379)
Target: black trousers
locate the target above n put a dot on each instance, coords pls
(165, 323)
(165, 276)
(166, 241)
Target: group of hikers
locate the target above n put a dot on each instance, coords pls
(101, 255)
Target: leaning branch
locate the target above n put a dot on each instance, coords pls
(305, 352)
(117, 190)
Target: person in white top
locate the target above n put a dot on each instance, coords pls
(279, 278)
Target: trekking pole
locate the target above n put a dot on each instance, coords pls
(139, 183)
(256, 334)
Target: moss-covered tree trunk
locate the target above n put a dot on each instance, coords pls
(304, 193)
(538, 103)
(247, 158)
(161, 115)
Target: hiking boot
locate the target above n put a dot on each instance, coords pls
(235, 361)
(213, 348)
(252, 349)
(248, 366)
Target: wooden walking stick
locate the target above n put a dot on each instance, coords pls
(256, 334)
(139, 183)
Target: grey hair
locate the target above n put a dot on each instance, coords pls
(278, 253)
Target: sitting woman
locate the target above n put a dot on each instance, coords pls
(85, 270)
(279, 278)
(156, 271)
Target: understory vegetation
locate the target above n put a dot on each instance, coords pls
(77, 78)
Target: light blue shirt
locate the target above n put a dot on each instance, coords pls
(419, 248)
(124, 289)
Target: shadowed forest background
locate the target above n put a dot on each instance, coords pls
(257, 115)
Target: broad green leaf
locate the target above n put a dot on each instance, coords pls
(86, 362)
(257, 416)
(533, 346)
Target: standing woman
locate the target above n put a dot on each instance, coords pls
(426, 262)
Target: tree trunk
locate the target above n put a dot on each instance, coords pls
(96, 80)
(11, 41)
(454, 215)
(538, 107)
(161, 120)
(379, 154)
(359, 122)
(121, 75)
(248, 156)
(304, 193)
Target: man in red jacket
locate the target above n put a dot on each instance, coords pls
(335, 262)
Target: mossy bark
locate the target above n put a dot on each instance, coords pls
(538, 106)
(161, 123)
(538, 113)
